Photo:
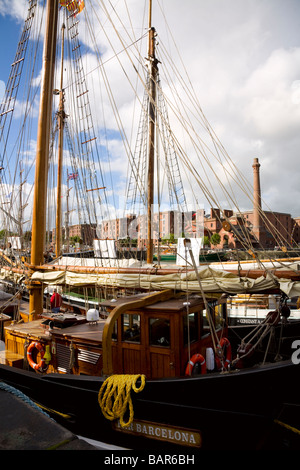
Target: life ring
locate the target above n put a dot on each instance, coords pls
(39, 347)
(224, 342)
(193, 361)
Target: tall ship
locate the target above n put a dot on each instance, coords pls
(148, 358)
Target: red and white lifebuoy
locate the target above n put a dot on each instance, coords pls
(35, 345)
(193, 361)
(224, 342)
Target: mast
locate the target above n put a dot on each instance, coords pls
(21, 209)
(152, 118)
(67, 215)
(42, 155)
(61, 121)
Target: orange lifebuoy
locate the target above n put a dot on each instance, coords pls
(193, 361)
(224, 342)
(39, 347)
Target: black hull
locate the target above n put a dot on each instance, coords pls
(239, 410)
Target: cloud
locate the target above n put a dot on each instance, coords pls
(17, 9)
(244, 66)
(270, 95)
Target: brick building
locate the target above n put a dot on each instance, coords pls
(86, 232)
(265, 229)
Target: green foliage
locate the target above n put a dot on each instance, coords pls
(75, 239)
(215, 239)
(170, 239)
(206, 241)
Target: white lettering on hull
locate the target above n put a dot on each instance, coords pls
(179, 436)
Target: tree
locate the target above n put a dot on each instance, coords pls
(170, 239)
(215, 239)
(75, 239)
(206, 241)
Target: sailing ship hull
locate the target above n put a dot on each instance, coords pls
(237, 410)
(209, 257)
(254, 317)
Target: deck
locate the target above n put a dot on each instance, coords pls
(86, 332)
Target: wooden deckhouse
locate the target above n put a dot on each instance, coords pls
(154, 334)
(155, 340)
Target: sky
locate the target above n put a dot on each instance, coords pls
(243, 60)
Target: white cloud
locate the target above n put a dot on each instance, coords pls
(17, 9)
(269, 95)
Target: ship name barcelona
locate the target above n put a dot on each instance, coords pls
(179, 436)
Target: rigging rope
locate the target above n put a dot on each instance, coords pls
(199, 161)
(8, 388)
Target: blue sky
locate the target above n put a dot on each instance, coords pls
(9, 30)
(243, 59)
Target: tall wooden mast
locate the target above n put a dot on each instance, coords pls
(61, 121)
(152, 118)
(42, 153)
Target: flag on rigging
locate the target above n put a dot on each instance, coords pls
(73, 176)
(75, 6)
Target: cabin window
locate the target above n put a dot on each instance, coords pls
(190, 328)
(217, 317)
(205, 329)
(131, 328)
(114, 335)
(159, 332)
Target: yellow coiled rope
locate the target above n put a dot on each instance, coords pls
(114, 396)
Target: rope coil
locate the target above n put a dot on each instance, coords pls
(114, 396)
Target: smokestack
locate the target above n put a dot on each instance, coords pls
(257, 228)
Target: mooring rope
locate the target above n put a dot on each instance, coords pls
(114, 396)
(14, 391)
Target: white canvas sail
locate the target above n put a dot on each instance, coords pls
(104, 248)
(183, 257)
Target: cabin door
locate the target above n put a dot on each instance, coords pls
(160, 347)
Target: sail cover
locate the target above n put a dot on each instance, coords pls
(212, 281)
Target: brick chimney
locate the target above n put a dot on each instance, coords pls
(258, 229)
